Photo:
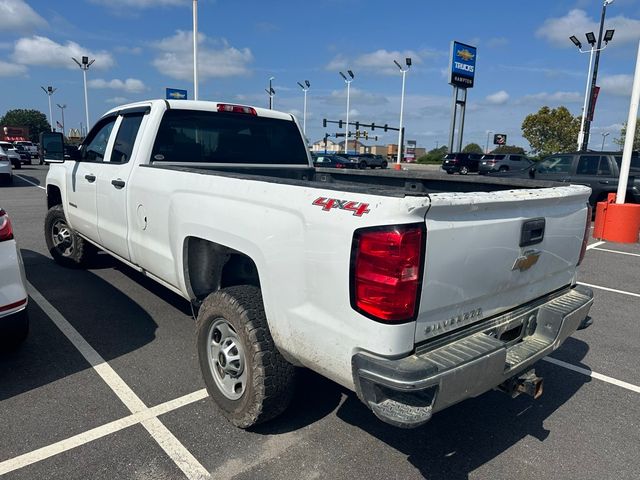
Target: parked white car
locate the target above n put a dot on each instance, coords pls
(6, 172)
(12, 153)
(14, 320)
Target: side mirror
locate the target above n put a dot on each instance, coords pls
(51, 147)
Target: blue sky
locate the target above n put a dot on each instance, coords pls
(525, 59)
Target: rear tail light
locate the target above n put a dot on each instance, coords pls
(6, 232)
(585, 238)
(386, 272)
(339, 165)
(225, 107)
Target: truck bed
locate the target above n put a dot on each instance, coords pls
(388, 183)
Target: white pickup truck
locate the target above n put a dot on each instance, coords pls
(414, 290)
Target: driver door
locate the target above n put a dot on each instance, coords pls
(81, 205)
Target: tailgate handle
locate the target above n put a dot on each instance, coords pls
(532, 232)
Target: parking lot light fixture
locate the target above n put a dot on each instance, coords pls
(400, 130)
(84, 66)
(591, 38)
(346, 131)
(575, 41)
(271, 92)
(50, 91)
(604, 135)
(305, 89)
(608, 36)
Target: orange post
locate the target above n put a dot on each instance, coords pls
(617, 222)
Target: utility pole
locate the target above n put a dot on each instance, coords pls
(271, 92)
(346, 132)
(84, 66)
(401, 132)
(305, 89)
(62, 107)
(50, 91)
(195, 49)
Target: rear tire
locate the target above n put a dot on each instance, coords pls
(384, 165)
(503, 169)
(245, 374)
(464, 170)
(65, 246)
(362, 165)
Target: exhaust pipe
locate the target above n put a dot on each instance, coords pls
(528, 383)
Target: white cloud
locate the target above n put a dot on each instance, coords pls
(141, 3)
(360, 97)
(116, 100)
(216, 58)
(556, 97)
(131, 85)
(617, 84)
(497, 42)
(20, 17)
(339, 62)
(129, 50)
(498, 98)
(10, 69)
(380, 61)
(576, 22)
(42, 51)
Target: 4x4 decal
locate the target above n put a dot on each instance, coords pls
(358, 208)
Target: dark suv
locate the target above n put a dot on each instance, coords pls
(461, 162)
(502, 162)
(598, 170)
(369, 160)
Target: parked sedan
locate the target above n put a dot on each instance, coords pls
(334, 161)
(6, 171)
(14, 321)
(25, 156)
(12, 153)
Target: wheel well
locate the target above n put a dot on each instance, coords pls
(53, 196)
(210, 266)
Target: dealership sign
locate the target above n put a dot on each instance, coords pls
(463, 65)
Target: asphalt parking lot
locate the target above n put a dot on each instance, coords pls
(107, 386)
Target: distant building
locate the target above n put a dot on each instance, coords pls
(331, 147)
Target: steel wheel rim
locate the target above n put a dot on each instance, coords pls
(226, 357)
(63, 238)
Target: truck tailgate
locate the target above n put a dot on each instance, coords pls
(475, 267)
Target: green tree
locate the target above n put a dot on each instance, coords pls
(434, 156)
(33, 119)
(551, 130)
(508, 149)
(472, 148)
(623, 134)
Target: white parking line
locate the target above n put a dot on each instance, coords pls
(610, 289)
(594, 245)
(169, 443)
(598, 376)
(29, 181)
(616, 251)
(43, 453)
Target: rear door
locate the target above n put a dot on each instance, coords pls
(112, 188)
(477, 264)
(556, 168)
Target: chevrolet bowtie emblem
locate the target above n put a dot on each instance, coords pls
(527, 260)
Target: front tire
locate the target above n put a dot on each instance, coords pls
(245, 374)
(464, 170)
(65, 246)
(384, 165)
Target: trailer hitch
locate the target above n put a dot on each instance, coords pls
(528, 383)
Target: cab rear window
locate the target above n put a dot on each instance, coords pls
(187, 136)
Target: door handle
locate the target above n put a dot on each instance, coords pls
(604, 182)
(90, 178)
(117, 183)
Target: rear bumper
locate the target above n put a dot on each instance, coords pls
(406, 392)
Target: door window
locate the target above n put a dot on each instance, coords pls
(126, 138)
(556, 164)
(95, 147)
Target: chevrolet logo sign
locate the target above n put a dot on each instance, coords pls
(527, 260)
(465, 54)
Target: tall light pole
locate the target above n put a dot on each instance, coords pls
(604, 135)
(591, 39)
(271, 92)
(607, 37)
(50, 91)
(84, 66)
(486, 147)
(346, 128)
(400, 130)
(195, 49)
(305, 89)
(62, 107)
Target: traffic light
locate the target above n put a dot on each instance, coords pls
(357, 125)
(324, 123)
(373, 126)
(366, 135)
(386, 127)
(357, 134)
(339, 123)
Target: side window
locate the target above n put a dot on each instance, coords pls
(126, 138)
(588, 165)
(556, 164)
(604, 168)
(95, 147)
(515, 158)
